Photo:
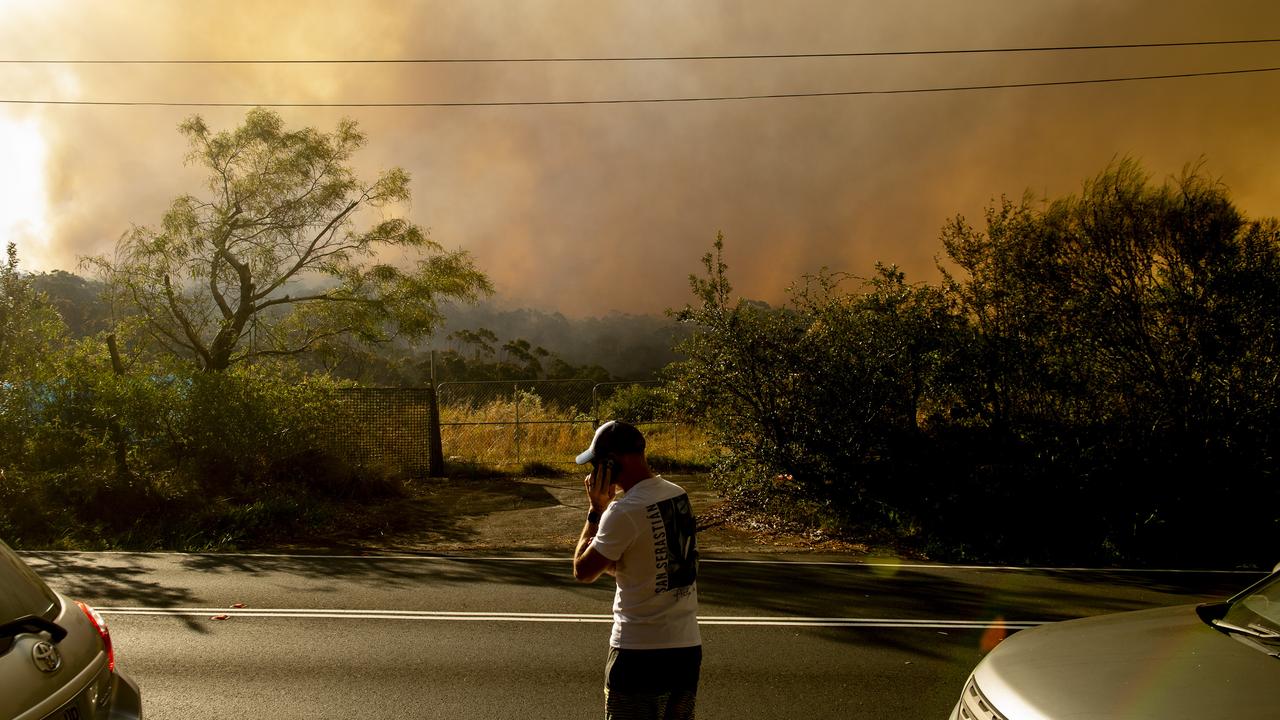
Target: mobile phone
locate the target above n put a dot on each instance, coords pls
(603, 476)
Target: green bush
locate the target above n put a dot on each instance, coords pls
(818, 406)
(173, 459)
(1098, 367)
(237, 428)
(637, 404)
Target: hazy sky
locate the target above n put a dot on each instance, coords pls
(591, 209)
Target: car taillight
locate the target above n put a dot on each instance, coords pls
(101, 626)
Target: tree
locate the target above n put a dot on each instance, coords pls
(821, 400)
(78, 300)
(524, 357)
(29, 326)
(274, 261)
(481, 341)
(478, 356)
(30, 336)
(1126, 342)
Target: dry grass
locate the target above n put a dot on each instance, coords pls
(489, 434)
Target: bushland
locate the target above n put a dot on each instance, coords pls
(1095, 380)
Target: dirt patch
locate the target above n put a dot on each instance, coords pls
(535, 515)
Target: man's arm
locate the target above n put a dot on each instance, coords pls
(588, 563)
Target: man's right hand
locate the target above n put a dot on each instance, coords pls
(599, 494)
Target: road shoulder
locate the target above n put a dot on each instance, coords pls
(535, 515)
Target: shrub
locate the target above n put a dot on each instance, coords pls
(238, 427)
(637, 404)
(818, 405)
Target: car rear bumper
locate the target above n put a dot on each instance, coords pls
(126, 699)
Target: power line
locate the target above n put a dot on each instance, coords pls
(645, 58)
(637, 101)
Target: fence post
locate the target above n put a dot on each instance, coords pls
(435, 460)
(515, 389)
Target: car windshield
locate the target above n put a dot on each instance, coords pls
(1259, 610)
(22, 592)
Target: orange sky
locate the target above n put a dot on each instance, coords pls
(591, 209)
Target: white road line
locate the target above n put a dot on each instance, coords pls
(706, 560)
(1012, 568)
(746, 621)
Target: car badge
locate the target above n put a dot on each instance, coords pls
(46, 657)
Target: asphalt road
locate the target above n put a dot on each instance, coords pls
(473, 637)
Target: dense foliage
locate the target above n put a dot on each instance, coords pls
(29, 327)
(1097, 380)
(821, 406)
(164, 457)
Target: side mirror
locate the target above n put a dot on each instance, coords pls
(1209, 612)
(1276, 569)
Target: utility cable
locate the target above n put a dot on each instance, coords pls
(636, 101)
(645, 58)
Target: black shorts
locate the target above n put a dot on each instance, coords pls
(652, 684)
(653, 671)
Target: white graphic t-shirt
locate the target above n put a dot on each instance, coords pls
(650, 532)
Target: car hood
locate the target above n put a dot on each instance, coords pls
(1142, 665)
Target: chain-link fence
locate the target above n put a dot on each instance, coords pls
(497, 423)
(542, 421)
(502, 423)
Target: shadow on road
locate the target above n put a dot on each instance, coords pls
(114, 579)
(780, 590)
(399, 574)
(1217, 585)
(987, 596)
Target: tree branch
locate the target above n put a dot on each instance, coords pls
(287, 299)
(305, 257)
(187, 328)
(221, 251)
(304, 347)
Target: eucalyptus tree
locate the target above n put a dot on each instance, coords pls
(277, 259)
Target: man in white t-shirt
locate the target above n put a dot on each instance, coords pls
(646, 539)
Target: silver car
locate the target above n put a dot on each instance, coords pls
(56, 659)
(1220, 660)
